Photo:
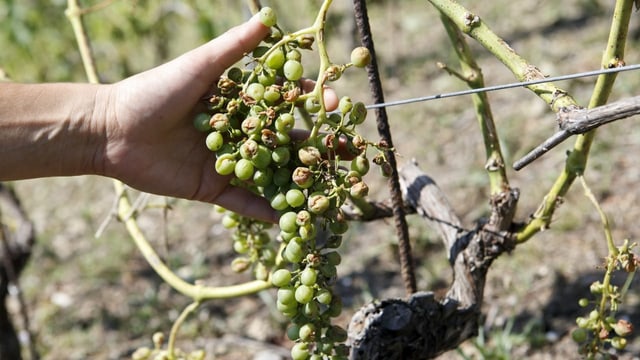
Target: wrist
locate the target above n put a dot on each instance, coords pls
(49, 130)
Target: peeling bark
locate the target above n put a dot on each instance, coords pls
(422, 326)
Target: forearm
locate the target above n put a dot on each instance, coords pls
(48, 130)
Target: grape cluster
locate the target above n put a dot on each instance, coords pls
(250, 130)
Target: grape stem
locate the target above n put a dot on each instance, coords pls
(176, 327)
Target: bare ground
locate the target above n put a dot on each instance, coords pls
(97, 298)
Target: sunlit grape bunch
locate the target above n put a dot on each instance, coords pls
(307, 177)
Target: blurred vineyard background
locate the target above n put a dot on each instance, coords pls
(97, 298)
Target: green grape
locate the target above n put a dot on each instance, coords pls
(307, 232)
(294, 54)
(360, 165)
(282, 176)
(360, 56)
(267, 77)
(288, 222)
(244, 169)
(271, 94)
(268, 17)
(285, 122)
(241, 247)
(619, 342)
(333, 258)
(256, 91)
(339, 227)
(263, 177)
(324, 296)
(345, 105)
(286, 296)
(300, 351)
(312, 105)
(295, 198)
(281, 277)
(287, 236)
(293, 252)
(283, 138)
(281, 156)
(214, 141)
(229, 222)
(333, 242)
(309, 276)
(276, 59)
(279, 202)
(304, 294)
(293, 332)
(335, 309)
(306, 332)
(358, 113)
(310, 309)
(201, 122)
(262, 158)
(292, 70)
(225, 164)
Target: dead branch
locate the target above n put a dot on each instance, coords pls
(17, 237)
(573, 121)
(422, 326)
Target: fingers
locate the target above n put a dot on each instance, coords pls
(217, 55)
(330, 96)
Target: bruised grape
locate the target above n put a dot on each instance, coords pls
(225, 164)
(256, 91)
(360, 57)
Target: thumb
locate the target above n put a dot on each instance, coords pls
(214, 57)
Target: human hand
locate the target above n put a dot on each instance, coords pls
(150, 141)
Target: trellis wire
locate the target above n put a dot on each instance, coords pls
(504, 86)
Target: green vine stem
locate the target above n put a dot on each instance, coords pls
(555, 97)
(176, 327)
(472, 25)
(577, 159)
(472, 75)
(196, 292)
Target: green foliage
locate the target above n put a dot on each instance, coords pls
(127, 36)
